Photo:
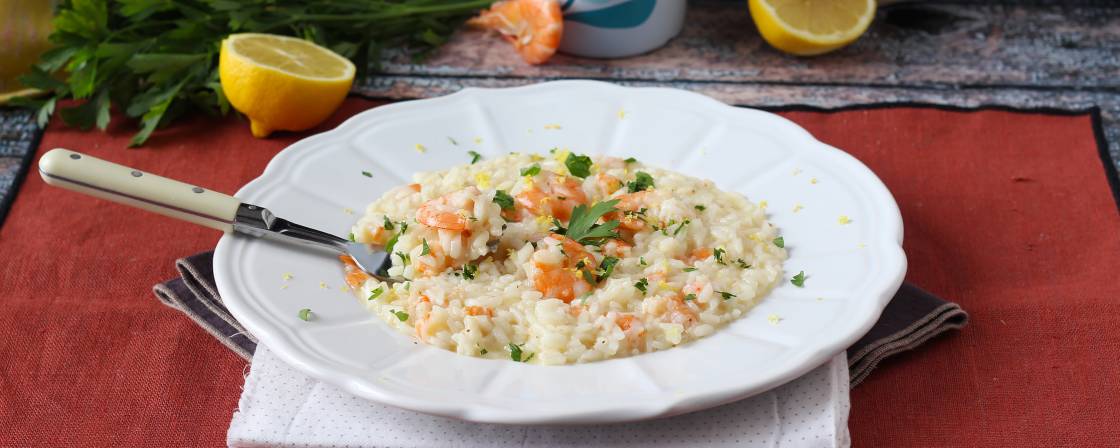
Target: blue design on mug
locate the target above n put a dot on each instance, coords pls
(628, 14)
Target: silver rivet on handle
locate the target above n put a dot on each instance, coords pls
(197, 190)
(136, 173)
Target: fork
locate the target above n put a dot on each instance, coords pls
(82, 173)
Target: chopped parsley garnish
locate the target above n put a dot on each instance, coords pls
(531, 171)
(453, 142)
(689, 269)
(503, 199)
(718, 253)
(699, 207)
(681, 226)
(726, 295)
(401, 315)
(469, 270)
(606, 267)
(392, 242)
(483, 352)
(665, 228)
(582, 227)
(305, 314)
(405, 258)
(630, 160)
(516, 354)
(367, 174)
(642, 181)
(425, 250)
(404, 226)
(742, 264)
(387, 225)
(780, 242)
(351, 237)
(475, 156)
(587, 276)
(642, 261)
(642, 284)
(798, 280)
(579, 166)
(688, 297)
(376, 293)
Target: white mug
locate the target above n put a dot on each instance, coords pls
(619, 28)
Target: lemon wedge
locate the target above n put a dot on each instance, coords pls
(811, 27)
(282, 83)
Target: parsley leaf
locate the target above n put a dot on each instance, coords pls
(392, 242)
(367, 174)
(699, 207)
(351, 238)
(387, 225)
(531, 171)
(405, 258)
(515, 353)
(642, 284)
(742, 264)
(688, 297)
(483, 352)
(718, 253)
(587, 277)
(681, 226)
(582, 227)
(305, 314)
(606, 267)
(425, 250)
(453, 142)
(469, 270)
(401, 315)
(642, 181)
(689, 269)
(642, 261)
(579, 166)
(798, 280)
(503, 199)
(376, 293)
(780, 242)
(630, 160)
(726, 295)
(475, 156)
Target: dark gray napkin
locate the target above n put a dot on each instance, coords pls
(911, 318)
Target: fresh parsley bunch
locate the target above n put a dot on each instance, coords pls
(158, 59)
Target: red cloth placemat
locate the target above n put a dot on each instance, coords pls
(1007, 213)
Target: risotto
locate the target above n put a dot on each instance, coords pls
(563, 258)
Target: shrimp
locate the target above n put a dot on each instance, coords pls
(617, 248)
(355, 276)
(634, 329)
(450, 211)
(680, 313)
(605, 184)
(534, 27)
(432, 263)
(633, 203)
(558, 268)
(553, 195)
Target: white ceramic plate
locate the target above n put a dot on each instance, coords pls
(853, 269)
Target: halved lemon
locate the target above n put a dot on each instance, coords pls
(811, 27)
(282, 83)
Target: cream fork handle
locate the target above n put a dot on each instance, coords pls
(118, 183)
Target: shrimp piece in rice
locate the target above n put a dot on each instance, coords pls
(450, 211)
(551, 195)
(558, 268)
(634, 330)
(632, 203)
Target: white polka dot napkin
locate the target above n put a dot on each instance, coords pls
(283, 407)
